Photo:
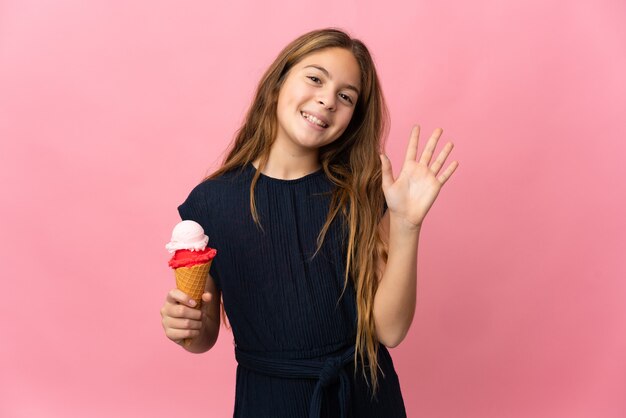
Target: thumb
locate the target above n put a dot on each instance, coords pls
(207, 297)
(387, 172)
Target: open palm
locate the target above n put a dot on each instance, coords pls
(412, 194)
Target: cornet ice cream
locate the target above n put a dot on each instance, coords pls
(191, 260)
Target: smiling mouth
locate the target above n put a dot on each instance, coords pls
(314, 120)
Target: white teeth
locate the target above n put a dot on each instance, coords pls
(314, 120)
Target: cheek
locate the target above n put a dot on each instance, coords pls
(347, 117)
(345, 121)
(283, 105)
(293, 89)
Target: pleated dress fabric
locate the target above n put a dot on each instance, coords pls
(283, 303)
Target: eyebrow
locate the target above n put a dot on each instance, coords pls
(322, 69)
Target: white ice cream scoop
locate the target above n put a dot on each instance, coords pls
(187, 235)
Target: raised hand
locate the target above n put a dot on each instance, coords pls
(412, 194)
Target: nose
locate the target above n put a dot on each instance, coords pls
(328, 100)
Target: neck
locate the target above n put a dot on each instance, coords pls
(285, 165)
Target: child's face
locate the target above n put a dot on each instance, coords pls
(317, 99)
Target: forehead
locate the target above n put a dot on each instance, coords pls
(340, 63)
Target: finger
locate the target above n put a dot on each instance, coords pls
(183, 323)
(180, 334)
(448, 173)
(178, 296)
(387, 171)
(411, 151)
(429, 149)
(182, 311)
(441, 158)
(207, 297)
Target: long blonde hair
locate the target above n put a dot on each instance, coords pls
(351, 162)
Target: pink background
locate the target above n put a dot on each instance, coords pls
(110, 112)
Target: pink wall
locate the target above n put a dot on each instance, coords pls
(521, 293)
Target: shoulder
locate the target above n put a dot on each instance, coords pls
(211, 190)
(221, 183)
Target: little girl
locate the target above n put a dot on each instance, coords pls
(317, 242)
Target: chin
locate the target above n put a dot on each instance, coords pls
(321, 144)
(311, 143)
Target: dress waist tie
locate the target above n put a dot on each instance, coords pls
(324, 371)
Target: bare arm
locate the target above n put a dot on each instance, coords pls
(394, 304)
(409, 198)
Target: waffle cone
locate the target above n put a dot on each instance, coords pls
(192, 280)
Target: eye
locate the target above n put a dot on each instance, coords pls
(314, 79)
(345, 97)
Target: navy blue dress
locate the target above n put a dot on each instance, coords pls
(283, 305)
